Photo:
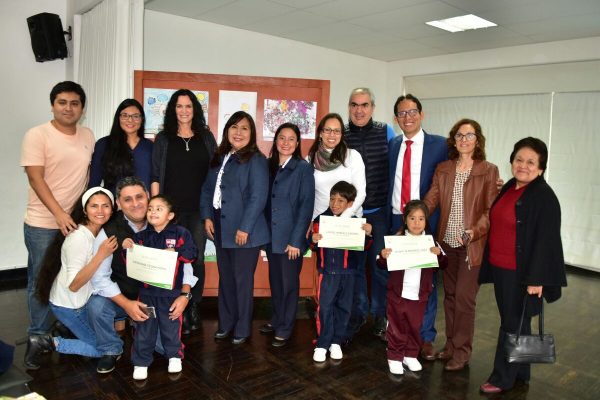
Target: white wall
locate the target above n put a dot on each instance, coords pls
(178, 44)
(511, 62)
(26, 85)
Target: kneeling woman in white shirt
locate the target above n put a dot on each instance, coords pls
(65, 285)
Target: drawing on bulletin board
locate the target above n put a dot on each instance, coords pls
(299, 112)
(155, 105)
(231, 101)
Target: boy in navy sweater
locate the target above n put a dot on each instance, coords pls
(161, 233)
(337, 269)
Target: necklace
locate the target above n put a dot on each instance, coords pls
(187, 142)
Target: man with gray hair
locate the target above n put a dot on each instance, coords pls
(370, 138)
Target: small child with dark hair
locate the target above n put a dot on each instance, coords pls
(337, 269)
(163, 233)
(407, 295)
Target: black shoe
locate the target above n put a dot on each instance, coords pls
(279, 342)
(36, 344)
(107, 364)
(380, 326)
(220, 334)
(59, 329)
(266, 329)
(239, 340)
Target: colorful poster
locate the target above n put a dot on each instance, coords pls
(155, 104)
(231, 101)
(299, 112)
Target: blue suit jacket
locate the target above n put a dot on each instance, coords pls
(244, 190)
(435, 150)
(290, 205)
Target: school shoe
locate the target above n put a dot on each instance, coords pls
(320, 354)
(380, 326)
(396, 367)
(427, 351)
(335, 352)
(174, 365)
(412, 364)
(140, 373)
(36, 345)
(107, 363)
(266, 329)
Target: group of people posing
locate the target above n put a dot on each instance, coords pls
(183, 188)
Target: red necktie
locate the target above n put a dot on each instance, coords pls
(405, 191)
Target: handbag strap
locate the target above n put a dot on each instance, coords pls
(540, 319)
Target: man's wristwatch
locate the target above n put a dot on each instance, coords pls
(187, 295)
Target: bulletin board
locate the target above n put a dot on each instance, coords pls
(271, 100)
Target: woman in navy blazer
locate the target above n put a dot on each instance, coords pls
(232, 206)
(289, 213)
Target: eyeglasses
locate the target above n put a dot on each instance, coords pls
(467, 136)
(412, 113)
(133, 117)
(332, 131)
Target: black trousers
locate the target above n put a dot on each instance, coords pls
(509, 298)
(192, 222)
(236, 284)
(284, 280)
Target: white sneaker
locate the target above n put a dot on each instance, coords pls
(174, 365)
(140, 373)
(396, 367)
(320, 354)
(335, 352)
(412, 364)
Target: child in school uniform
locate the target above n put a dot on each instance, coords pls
(337, 269)
(169, 305)
(407, 295)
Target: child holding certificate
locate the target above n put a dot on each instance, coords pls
(337, 269)
(168, 305)
(407, 295)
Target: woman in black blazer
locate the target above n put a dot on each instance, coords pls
(289, 213)
(232, 206)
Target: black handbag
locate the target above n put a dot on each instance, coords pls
(530, 348)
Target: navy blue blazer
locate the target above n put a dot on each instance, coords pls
(290, 205)
(244, 190)
(435, 150)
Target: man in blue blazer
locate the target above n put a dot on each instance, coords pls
(427, 151)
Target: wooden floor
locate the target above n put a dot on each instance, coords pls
(219, 370)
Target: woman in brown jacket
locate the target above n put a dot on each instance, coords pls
(464, 188)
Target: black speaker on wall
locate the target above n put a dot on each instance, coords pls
(47, 37)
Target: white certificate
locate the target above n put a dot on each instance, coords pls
(153, 266)
(410, 252)
(342, 233)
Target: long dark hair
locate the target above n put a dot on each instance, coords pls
(274, 155)
(117, 161)
(411, 206)
(340, 151)
(171, 126)
(245, 153)
(52, 263)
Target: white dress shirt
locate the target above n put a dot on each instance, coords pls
(416, 157)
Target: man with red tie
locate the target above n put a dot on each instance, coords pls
(414, 155)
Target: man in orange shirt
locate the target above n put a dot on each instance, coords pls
(56, 157)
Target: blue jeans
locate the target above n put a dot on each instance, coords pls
(77, 321)
(102, 313)
(428, 331)
(37, 241)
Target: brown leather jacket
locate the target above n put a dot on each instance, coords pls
(479, 193)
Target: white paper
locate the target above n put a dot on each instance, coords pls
(342, 232)
(410, 252)
(153, 266)
(231, 101)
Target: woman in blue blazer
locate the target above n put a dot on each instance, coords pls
(232, 206)
(289, 213)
